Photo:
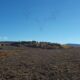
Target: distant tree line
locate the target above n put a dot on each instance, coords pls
(35, 44)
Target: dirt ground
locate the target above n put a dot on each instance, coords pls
(39, 64)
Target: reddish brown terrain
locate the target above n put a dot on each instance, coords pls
(26, 63)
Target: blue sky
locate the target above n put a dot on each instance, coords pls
(41, 20)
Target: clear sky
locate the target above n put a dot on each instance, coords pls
(41, 20)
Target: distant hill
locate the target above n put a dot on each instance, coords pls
(73, 45)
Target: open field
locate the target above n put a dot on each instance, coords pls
(39, 64)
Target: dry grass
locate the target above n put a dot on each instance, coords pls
(5, 53)
(40, 64)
